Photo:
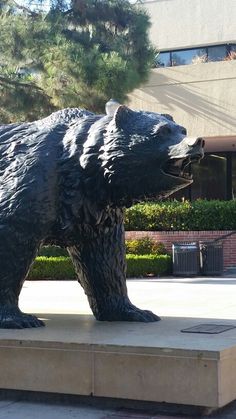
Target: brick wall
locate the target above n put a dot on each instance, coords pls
(169, 237)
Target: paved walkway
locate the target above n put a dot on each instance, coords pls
(200, 297)
(15, 409)
(197, 297)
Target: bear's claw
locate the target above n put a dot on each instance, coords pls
(129, 313)
(13, 318)
(135, 314)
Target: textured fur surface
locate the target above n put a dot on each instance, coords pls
(66, 179)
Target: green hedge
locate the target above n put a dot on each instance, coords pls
(142, 246)
(148, 265)
(52, 251)
(183, 216)
(62, 268)
(52, 268)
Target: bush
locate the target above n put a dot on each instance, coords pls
(62, 267)
(183, 216)
(141, 246)
(52, 268)
(148, 265)
(145, 246)
(52, 251)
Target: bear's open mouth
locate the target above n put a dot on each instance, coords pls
(179, 167)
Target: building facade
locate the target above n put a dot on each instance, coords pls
(195, 81)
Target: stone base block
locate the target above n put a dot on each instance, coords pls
(75, 354)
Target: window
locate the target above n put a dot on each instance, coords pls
(181, 195)
(210, 178)
(190, 56)
(213, 178)
(163, 59)
(217, 53)
(231, 52)
(195, 55)
(233, 175)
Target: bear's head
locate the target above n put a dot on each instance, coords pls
(138, 156)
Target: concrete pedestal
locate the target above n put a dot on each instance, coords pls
(75, 354)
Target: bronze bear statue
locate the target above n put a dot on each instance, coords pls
(66, 179)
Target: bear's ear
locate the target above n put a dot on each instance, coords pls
(123, 117)
(167, 116)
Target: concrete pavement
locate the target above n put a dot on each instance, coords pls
(15, 407)
(197, 297)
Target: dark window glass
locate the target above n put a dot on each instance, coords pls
(209, 178)
(196, 55)
(191, 56)
(163, 59)
(217, 53)
(181, 195)
(231, 52)
(234, 175)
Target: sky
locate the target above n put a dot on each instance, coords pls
(45, 3)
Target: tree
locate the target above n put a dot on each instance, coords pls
(22, 98)
(77, 53)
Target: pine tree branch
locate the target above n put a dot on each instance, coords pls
(24, 8)
(7, 81)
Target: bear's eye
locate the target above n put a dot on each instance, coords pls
(165, 131)
(162, 131)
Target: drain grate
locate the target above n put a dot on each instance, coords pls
(211, 329)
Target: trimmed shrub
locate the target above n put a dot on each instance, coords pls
(52, 251)
(62, 268)
(148, 265)
(52, 268)
(145, 246)
(182, 216)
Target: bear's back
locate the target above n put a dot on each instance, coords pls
(65, 116)
(27, 143)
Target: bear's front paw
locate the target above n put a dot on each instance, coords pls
(13, 318)
(121, 309)
(134, 314)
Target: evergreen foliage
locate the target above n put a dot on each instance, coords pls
(182, 216)
(77, 53)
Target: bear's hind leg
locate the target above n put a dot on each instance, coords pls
(17, 251)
